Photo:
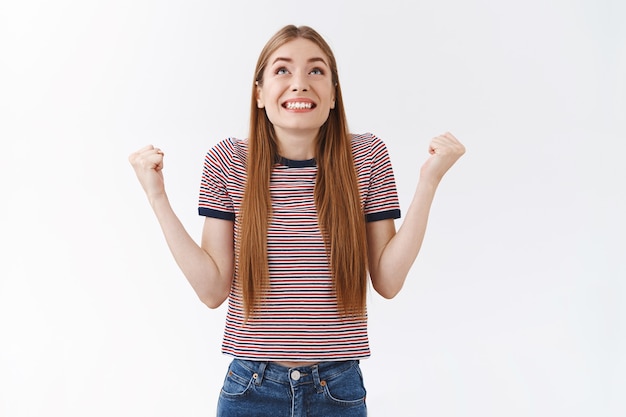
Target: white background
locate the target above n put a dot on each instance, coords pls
(516, 304)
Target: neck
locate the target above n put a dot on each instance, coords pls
(296, 146)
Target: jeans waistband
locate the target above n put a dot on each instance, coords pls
(315, 374)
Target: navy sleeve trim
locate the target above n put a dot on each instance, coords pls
(383, 215)
(224, 215)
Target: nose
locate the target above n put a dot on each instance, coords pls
(299, 82)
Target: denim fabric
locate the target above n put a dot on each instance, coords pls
(259, 389)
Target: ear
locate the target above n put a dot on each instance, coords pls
(332, 100)
(259, 96)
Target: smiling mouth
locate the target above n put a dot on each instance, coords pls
(296, 105)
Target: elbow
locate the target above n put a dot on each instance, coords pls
(388, 293)
(387, 290)
(213, 301)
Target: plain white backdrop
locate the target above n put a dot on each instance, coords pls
(516, 304)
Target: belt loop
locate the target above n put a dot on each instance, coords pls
(260, 372)
(316, 379)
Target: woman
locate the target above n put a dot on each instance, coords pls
(297, 217)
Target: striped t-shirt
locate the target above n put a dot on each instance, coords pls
(298, 319)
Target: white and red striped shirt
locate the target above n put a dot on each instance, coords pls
(299, 319)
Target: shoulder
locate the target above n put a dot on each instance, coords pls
(228, 151)
(226, 159)
(367, 145)
(231, 146)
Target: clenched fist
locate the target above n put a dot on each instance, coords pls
(148, 165)
(445, 150)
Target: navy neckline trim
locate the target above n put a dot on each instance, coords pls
(292, 163)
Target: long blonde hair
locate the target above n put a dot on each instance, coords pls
(336, 195)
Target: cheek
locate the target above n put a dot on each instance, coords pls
(271, 95)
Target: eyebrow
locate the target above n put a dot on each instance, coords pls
(314, 59)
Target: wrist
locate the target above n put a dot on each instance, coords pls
(428, 183)
(157, 199)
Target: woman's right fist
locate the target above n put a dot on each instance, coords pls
(148, 165)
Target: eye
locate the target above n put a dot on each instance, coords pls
(317, 71)
(282, 71)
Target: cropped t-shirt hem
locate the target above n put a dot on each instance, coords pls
(271, 358)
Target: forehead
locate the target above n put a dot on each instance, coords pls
(298, 50)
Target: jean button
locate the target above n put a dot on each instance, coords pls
(295, 375)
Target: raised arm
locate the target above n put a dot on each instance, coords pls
(208, 268)
(392, 254)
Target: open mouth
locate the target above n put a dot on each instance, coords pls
(299, 105)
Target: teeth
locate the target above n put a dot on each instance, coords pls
(297, 105)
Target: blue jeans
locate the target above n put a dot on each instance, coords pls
(259, 389)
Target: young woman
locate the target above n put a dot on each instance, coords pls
(298, 217)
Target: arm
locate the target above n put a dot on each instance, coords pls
(208, 268)
(392, 254)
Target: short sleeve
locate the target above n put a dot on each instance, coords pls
(214, 197)
(381, 200)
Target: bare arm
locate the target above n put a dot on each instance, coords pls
(392, 254)
(208, 268)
